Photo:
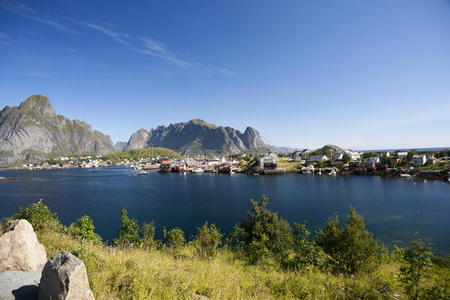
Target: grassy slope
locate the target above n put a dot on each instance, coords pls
(143, 274)
(144, 153)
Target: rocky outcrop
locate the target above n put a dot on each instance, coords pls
(197, 137)
(121, 146)
(33, 129)
(64, 277)
(20, 249)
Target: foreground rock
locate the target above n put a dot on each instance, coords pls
(19, 284)
(20, 249)
(64, 277)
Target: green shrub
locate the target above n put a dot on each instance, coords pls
(40, 217)
(83, 230)
(129, 232)
(173, 239)
(207, 241)
(417, 259)
(148, 235)
(264, 234)
(305, 252)
(352, 248)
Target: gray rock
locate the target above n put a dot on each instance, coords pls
(19, 284)
(197, 137)
(20, 249)
(64, 277)
(34, 128)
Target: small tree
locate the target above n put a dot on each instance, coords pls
(305, 251)
(83, 230)
(418, 261)
(129, 232)
(264, 234)
(174, 239)
(148, 235)
(351, 248)
(40, 217)
(207, 241)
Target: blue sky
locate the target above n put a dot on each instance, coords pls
(360, 74)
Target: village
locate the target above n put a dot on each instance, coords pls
(329, 160)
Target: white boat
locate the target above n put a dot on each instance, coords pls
(407, 176)
(332, 173)
(319, 173)
(142, 172)
(198, 170)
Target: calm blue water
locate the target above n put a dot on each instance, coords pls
(389, 206)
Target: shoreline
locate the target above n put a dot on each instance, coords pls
(436, 175)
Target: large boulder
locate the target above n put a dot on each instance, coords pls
(20, 249)
(64, 277)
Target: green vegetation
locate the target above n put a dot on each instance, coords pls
(144, 153)
(289, 164)
(40, 217)
(83, 230)
(264, 258)
(148, 235)
(350, 249)
(264, 235)
(129, 232)
(207, 241)
(174, 239)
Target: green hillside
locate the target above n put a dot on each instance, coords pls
(144, 153)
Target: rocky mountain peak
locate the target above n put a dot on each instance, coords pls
(39, 105)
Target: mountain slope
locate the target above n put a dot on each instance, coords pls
(34, 127)
(197, 137)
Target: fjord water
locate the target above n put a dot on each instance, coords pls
(393, 209)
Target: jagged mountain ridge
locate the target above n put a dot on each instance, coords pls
(33, 127)
(197, 137)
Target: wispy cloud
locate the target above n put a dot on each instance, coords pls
(151, 47)
(20, 9)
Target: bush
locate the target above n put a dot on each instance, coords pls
(174, 239)
(418, 261)
(129, 232)
(83, 230)
(148, 235)
(305, 252)
(40, 217)
(207, 241)
(352, 248)
(264, 234)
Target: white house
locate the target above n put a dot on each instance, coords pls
(374, 159)
(338, 156)
(269, 161)
(318, 158)
(299, 155)
(419, 159)
(353, 155)
(402, 155)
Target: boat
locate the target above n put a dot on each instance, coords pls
(319, 173)
(332, 173)
(407, 176)
(142, 172)
(198, 170)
